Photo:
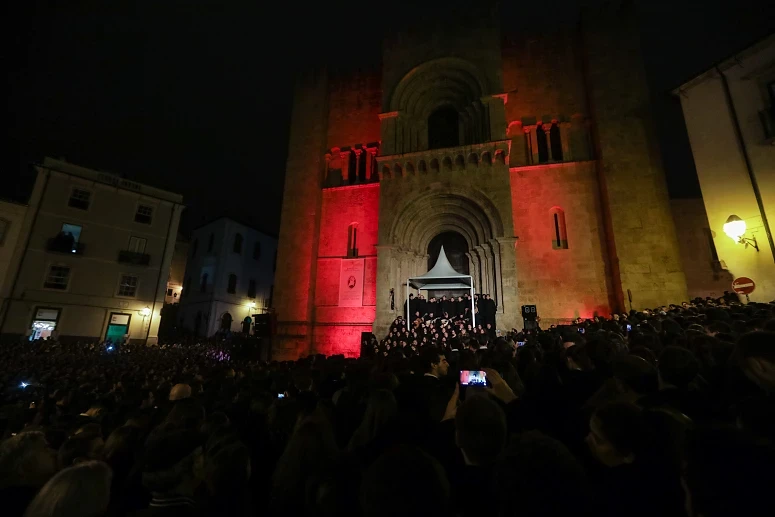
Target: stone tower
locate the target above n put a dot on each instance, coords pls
(531, 147)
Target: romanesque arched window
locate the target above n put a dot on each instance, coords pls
(555, 143)
(559, 230)
(352, 240)
(543, 145)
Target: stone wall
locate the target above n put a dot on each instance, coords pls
(564, 283)
(643, 251)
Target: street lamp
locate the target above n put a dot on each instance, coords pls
(735, 229)
(145, 312)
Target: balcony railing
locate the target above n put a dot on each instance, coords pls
(65, 245)
(133, 257)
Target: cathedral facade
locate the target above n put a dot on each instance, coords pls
(530, 153)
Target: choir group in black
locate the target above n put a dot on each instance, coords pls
(439, 321)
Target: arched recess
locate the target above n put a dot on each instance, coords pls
(432, 89)
(470, 213)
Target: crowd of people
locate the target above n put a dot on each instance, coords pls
(653, 413)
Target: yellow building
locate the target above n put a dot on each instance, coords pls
(730, 116)
(92, 259)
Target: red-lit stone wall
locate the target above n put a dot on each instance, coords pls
(563, 283)
(354, 107)
(338, 329)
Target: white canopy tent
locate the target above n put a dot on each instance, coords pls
(441, 276)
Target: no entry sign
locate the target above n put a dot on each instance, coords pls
(743, 285)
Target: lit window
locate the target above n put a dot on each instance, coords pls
(127, 286)
(58, 277)
(144, 214)
(79, 198)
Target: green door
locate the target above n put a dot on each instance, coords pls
(116, 333)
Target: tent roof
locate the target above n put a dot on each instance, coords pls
(441, 276)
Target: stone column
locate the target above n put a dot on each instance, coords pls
(386, 272)
(357, 164)
(484, 258)
(496, 114)
(473, 268)
(567, 156)
(534, 144)
(370, 152)
(518, 152)
(497, 281)
(345, 156)
(388, 132)
(508, 308)
(547, 128)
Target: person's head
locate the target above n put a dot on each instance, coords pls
(186, 414)
(173, 462)
(119, 450)
(480, 430)
(534, 471)
(616, 433)
(755, 354)
(635, 376)
(727, 472)
(407, 482)
(26, 460)
(678, 366)
(227, 467)
(180, 392)
(80, 447)
(434, 361)
(82, 490)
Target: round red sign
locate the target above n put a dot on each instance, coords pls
(743, 285)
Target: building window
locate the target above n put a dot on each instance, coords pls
(5, 224)
(352, 240)
(257, 251)
(560, 234)
(80, 199)
(144, 214)
(237, 243)
(252, 288)
(127, 286)
(137, 244)
(232, 288)
(203, 284)
(210, 243)
(194, 247)
(555, 141)
(169, 292)
(57, 278)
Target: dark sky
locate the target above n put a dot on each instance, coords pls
(194, 96)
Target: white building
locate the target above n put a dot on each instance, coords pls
(93, 259)
(229, 276)
(730, 116)
(177, 271)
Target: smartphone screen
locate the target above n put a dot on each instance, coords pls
(629, 327)
(473, 378)
(281, 395)
(520, 343)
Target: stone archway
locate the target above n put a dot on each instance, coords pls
(421, 217)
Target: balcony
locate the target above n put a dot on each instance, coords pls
(134, 258)
(63, 244)
(767, 119)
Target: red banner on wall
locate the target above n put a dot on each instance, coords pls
(351, 283)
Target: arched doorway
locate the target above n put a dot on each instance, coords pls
(455, 248)
(226, 321)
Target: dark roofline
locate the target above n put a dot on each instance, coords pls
(716, 63)
(235, 220)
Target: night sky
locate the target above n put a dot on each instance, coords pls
(195, 96)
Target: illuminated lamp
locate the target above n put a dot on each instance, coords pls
(145, 312)
(735, 229)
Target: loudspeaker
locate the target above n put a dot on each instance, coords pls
(263, 325)
(529, 312)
